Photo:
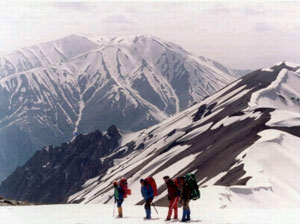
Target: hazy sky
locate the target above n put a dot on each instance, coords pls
(239, 35)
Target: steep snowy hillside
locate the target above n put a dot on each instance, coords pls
(234, 139)
(52, 91)
(244, 137)
(45, 54)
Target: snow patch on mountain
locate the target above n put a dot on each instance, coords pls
(284, 118)
(267, 70)
(230, 120)
(283, 93)
(262, 162)
(292, 64)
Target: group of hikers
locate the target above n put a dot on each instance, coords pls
(180, 189)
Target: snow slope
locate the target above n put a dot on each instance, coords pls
(98, 213)
(44, 54)
(272, 162)
(231, 139)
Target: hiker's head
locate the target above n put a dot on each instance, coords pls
(166, 178)
(115, 183)
(181, 180)
(142, 181)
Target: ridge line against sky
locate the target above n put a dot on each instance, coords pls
(240, 35)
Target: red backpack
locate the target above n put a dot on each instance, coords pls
(151, 181)
(124, 186)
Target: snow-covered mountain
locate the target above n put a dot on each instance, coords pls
(245, 137)
(44, 54)
(52, 91)
(241, 143)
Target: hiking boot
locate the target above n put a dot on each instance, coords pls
(148, 213)
(184, 215)
(120, 215)
(188, 215)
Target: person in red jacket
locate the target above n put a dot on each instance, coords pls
(173, 196)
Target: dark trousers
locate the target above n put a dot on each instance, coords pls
(119, 203)
(148, 203)
(148, 208)
(186, 212)
(185, 204)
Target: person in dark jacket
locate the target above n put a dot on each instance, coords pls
(173, 196)
(148, 194)
(119, 198)
(185, 199)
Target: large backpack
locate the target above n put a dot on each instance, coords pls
(151, 181)
(124, 186)
(190, 180)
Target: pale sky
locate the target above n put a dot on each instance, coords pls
(239, 35)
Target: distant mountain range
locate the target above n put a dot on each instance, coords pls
(244, 137)
(53, 91)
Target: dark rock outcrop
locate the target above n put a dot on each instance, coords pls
(56, 172)
(7, 202)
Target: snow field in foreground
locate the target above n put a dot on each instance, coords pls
(103, 214)
(217, 205)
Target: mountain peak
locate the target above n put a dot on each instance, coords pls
(74, 35)
(288, 64)
(282, 65)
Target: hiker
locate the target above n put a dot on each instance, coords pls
(185, 199)
(148, 195)
(119, 198)
(173, 196)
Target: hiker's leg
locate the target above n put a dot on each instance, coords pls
(188, 214)
(120, 211)
(148, 208)
(175, 207)
(184, 207)
(171, 205)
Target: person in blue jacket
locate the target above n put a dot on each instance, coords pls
(119, 198)
(148, 195)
